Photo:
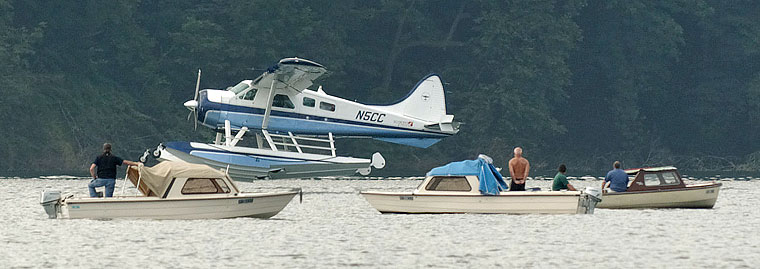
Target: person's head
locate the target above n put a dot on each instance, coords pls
(518, 151)
(562, 168)
(617, 165)
(106, 148)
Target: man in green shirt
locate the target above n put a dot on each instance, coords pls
(560, 180)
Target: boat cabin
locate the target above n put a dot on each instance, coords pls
(179, 179)
(654, 178)
(464, 178)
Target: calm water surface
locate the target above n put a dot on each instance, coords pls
(336, 227)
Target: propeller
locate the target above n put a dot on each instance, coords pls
(192, 105)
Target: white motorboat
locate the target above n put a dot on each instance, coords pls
(172, 190)
(457, 188)
(661, 187)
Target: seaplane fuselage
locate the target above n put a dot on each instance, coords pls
(419, 119)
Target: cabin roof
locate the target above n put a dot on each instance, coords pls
(158, 177)
(650, 169)
(490, 180)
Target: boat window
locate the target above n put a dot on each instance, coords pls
(670, 178)
(309, 102)
(651, 180)
(200, 186)
(240, 87)
(326, 106)
(283, 101)
(250, 94)
(448, 184)
(222, 185)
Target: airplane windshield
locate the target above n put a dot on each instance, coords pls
(239, 87)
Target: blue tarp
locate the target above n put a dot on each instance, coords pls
(491, 181)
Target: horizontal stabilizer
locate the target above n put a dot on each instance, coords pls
(414, 142)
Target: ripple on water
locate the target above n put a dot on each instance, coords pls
(336, 227)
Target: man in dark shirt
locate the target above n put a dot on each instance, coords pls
(560, 180)
(106, 171)
(617, 178)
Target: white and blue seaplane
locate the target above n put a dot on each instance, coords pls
(296, 127)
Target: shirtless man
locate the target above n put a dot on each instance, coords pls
(518, 169)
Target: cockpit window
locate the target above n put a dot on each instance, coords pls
(203, 186)
(240, 87)
(670, 178)
(651, 180)
(283, 101)
(250, 94)
(309, 102)
(448, 183)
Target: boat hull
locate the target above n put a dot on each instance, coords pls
(693, 196)
(505, 203)
(249, 164)
(243, 205)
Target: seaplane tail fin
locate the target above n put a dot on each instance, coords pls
(426, 101)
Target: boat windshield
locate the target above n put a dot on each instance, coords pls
(239, 87)
(448, 183)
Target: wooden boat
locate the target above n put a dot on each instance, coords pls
(461, 193)
(661, 187)
(172, 190)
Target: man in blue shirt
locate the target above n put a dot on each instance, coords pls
(617, 178)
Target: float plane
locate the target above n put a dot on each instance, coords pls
(296, 127)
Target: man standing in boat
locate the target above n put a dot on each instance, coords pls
(617, 178)
(519, 168)
(106, 174)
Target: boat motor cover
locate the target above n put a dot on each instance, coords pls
(491, 181)
(158, 177)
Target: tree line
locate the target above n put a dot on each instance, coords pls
(581, 82)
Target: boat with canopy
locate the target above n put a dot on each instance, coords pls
(661, 187)
(171, 190)
(476, 186)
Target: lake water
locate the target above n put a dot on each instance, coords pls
(336, 227)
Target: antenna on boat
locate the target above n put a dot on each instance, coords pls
(227, 171)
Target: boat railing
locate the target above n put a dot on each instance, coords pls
(291, 142)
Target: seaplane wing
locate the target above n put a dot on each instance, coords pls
(292, 74)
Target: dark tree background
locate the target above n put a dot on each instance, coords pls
(583, 82)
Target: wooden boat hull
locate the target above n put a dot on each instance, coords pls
(693, 196)
(505, 203)
(243, 205)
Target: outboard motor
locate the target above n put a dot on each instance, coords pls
(51, 201)
(594, 192)
(589, 198)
